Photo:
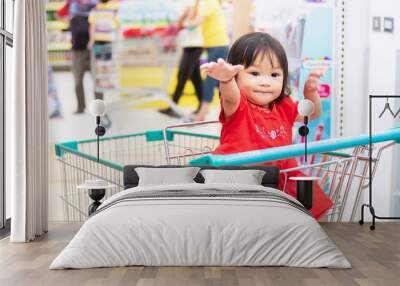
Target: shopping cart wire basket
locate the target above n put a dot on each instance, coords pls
(343, 175)
(79, 160)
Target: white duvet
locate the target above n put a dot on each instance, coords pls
(183, 231)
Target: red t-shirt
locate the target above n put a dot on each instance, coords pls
(253, 127)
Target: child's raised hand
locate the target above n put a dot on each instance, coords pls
(312, 83)
(221, 70)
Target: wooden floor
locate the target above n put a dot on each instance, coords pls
(374, 255)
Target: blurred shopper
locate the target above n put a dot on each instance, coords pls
(216, 41)
(78, 12)
(103, 31)
(191, 40)
(54, 101)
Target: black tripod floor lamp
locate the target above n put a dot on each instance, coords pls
(305, 184)
(98, 108)
(97, 188)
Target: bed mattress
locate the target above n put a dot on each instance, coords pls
(201, 225)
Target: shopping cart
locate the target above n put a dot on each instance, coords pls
(140, 69)
(343, 174)
(78, 161)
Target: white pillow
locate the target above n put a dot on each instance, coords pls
(249, 177)
(164, 176)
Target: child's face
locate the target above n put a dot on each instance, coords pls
(262, 81)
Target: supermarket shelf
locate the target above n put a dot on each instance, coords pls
(61, 68)
(54, 6)
(107, 76)
(60, 63)
(59, 46)
(57, 25)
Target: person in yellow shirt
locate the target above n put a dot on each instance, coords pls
(103, 22)
(216, 43)
(191, 40)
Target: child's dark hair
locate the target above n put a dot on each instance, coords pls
(246, 49)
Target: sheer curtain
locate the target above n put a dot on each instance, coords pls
(27, 121)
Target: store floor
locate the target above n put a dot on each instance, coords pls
(125, 116)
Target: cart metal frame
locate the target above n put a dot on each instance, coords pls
(344, 175)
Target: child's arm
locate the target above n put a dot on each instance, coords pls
(225, 73)
(183, 17)
(196, 21)
(194, 18)
(311, 92)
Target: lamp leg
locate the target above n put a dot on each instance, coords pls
(98, 147)
(96, 195)
(305, 138)
(303, 131)
(98, 137)
(100, 131)
(305, 193)
(305, 148)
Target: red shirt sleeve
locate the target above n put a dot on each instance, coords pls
(289, 108)
(241, 108)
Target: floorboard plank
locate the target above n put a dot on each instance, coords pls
(374, 255)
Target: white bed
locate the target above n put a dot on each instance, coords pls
(222, 225)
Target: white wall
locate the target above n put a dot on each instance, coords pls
(355, 69)
(351, 85)
(395, 205)
(370, 68)
(382, 80)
